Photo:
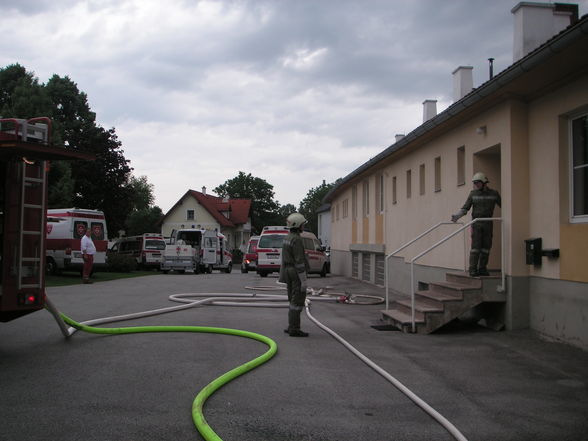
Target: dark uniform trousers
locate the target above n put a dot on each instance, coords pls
(481, 245)
(296, 297)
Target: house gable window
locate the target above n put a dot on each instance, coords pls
(579, 169)
(189, 214)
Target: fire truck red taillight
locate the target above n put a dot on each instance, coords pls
(28, 299)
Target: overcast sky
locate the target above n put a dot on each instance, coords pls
(294, 92)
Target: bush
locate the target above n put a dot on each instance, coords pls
(119, 263)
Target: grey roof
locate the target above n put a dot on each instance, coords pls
(535, 58)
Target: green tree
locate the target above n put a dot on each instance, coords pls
(21, 95)
(145, 220)
(263, 206)
(101, 184)
(141, 192)
(312, 201)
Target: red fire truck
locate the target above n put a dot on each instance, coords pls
(25, 149)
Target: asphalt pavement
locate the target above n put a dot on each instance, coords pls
(508, 385)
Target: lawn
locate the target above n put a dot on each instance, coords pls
(74, 278)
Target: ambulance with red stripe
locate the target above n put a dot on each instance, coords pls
(65, 228)
(269, 251)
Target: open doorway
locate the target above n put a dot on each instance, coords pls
(488, 161)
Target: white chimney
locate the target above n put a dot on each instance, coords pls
(535, 23)
(463, 82)
(429, 109)
(203, 190)
(399, 136)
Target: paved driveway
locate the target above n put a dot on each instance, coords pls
(490, 385)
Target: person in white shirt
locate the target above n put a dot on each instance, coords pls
(88, 250)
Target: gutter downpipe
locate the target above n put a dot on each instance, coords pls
(445, 239)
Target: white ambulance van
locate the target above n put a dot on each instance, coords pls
(147, 249)
(269, 251)
(65, 228)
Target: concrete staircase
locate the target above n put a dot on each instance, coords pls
(438, 303)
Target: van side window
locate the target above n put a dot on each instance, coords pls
(80, 229)
(308, 243)
(97, 231)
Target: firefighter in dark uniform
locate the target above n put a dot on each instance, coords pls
(482, 199)
(293, 273)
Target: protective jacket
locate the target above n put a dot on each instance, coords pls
(293, 252)
(483, 202)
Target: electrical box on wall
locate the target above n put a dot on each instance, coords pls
(533, 251)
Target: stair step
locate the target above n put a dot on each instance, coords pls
(464, 278)
(402, 317)
(451, 288)
(421, 305)
(441, 296)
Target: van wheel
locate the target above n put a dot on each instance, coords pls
(229, 268)
(262, 273)
(209, 269)
(165, 271)
(180, 271)
(244, 269)
(323, 272)
(50, 267)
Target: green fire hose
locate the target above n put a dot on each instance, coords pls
(197, 406)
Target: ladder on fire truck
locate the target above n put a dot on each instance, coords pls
(30, 257)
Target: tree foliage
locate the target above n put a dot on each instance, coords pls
(311, 203)
(105, 183)
(263, 206)
(145, 220)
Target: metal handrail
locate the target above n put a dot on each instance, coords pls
(445, 239)
(410, 243)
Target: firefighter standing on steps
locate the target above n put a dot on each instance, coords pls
(293, 272)
(482, 199)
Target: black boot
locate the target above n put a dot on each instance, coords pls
(473, 269)
(483, 270)
(298, 333)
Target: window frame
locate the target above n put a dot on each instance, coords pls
(582, 218)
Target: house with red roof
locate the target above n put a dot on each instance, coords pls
(195, 209)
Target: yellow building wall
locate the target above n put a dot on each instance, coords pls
(523, 150)
(549, 182)
(177, 218)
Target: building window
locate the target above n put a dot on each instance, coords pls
(579, 172)
(337, 211)
(438, 173)
(408, 184)
(354, 202)
(366, 198)
(345, 208)
(394, 199)
(190, 214)
(422, 179)
(380, 193)
(461, 165)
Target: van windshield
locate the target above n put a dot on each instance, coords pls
(151, 244)
(271, 241)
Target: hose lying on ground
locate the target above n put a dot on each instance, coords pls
(241, 299)
(198, 404)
